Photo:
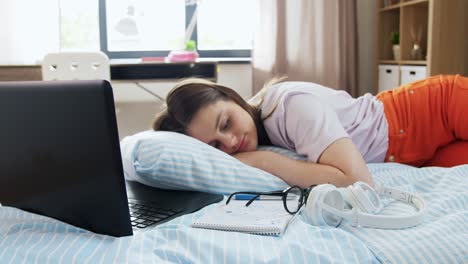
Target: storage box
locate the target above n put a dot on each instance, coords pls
(412, 73)
(388, 77)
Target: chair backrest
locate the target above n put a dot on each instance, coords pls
(76, 66)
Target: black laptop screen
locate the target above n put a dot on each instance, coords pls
(60, 154)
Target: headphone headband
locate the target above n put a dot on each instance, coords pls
(359, 216)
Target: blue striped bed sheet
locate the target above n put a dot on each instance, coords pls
(443, 235)
(29, 238)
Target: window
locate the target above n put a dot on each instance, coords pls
(124, 28)
(27, 34)
(225, 27)
(140, 28)
(79, 25)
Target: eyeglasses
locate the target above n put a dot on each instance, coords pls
(293, 197)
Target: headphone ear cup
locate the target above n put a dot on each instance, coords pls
(361, 196)
(348, 198)
(323, 194)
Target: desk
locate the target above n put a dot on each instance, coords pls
(136, 70)
(137, 81)
(126, 69)
(234, 74)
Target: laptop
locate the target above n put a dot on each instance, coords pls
(60, 157)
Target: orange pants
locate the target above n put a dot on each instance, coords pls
(424, 116)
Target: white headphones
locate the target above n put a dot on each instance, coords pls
(326, 206)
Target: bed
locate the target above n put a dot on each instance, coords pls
(441, 238)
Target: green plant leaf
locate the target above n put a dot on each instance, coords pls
(191, 45)
(395, 37)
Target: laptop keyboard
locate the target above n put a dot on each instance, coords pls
(144, 215)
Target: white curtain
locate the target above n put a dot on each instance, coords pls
(29, 30)
(307, 40)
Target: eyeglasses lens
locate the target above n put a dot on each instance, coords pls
(294, 199)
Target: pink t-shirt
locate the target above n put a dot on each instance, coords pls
(308, 117)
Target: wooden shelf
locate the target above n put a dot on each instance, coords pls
(402, 4)
(438, 27)
(403, 62)
(392, 7)
(414, 62)
(388, 62)
(413, 2)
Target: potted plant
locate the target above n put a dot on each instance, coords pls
(395, 38)
(189, 54)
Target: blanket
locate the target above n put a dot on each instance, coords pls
(441, 238)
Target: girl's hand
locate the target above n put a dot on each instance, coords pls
(306, 173)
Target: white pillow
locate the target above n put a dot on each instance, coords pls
(172, 160)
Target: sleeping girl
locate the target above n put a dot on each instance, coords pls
(337, 133)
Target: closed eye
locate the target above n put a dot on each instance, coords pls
(223, 127)
(226, 124)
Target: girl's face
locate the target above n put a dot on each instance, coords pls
(226, 126)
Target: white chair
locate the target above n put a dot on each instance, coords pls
(76, 66)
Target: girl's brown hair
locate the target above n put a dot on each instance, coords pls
(189, 96)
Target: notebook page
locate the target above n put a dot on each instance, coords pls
(267, 217)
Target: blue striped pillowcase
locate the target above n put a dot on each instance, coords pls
(172, 160)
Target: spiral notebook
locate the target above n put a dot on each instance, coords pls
(263, 217)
